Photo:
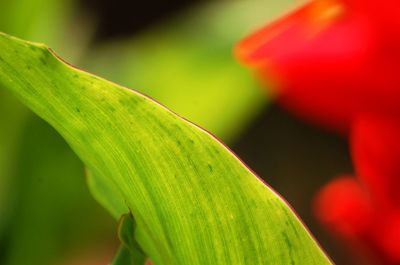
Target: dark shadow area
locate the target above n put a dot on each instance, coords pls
(119, 18)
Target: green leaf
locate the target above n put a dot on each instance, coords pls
(123, 257)
(187, 64)
(126, 230)
(106, 195)
(194, 202)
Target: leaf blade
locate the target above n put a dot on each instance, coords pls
(193, 200)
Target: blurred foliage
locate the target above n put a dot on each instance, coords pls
(56, 215)
(58, 23)
(37, 19)
(185, 63)
(12, 117)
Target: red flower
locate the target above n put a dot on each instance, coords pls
(337, 63)
(332, 60)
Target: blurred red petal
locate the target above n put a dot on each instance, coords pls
(344, 207)
(376, 154)
(318, 62)
(287, 33)
(387, 234)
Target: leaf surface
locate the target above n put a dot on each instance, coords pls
(193, 200)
